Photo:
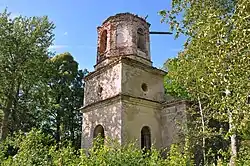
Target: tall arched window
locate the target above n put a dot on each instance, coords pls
(99, 132)
(120, 36)
(145, 138)
(103, 42)
(140, 39)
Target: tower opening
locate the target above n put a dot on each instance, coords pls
(99, 135)
(103, 42)
(145, 138)
(140, 39)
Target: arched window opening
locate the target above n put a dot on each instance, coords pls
(99, 135)
(145, 138)
(140, 39)
(119, 36)
(103, 42)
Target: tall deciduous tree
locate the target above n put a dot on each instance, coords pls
(65, 99)
(214, 66)
(24, 44)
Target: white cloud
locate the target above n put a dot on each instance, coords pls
(57, 47)
(65, 33)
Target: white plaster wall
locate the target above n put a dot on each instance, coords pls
(108, 115)
(135, 117)
(173, 120)
(132, 79)
(109, 80)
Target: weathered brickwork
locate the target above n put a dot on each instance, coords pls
(125, 93)
(122, 38)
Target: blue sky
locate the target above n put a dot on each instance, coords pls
(76, 22)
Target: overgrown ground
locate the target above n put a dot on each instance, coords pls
(35, 148)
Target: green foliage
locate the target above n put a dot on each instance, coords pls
(244, 154)
(36, 89)
(65, 95)
(35, 148)
(214, 66)
(178, 156)
(172, 87)
(24, 44)
(66, 155)
(32, 148)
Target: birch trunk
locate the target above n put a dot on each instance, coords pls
(233, 141)
(203, 131)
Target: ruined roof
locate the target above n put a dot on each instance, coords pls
(125, 14)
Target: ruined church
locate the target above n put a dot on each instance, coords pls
(124, 96)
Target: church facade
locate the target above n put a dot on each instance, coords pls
(124, 96)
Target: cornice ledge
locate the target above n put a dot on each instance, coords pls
(101, 103)
(122, 97)
(174, 103)
(101, 69)
(128, 61)
(140, 101)
(132, 62)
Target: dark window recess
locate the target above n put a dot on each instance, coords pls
(144, 87)
(140, 39)
(103, 42)
(145, 138)
(99, 135)
(99, 90)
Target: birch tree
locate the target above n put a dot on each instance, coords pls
(215, 63)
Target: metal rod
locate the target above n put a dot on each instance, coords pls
(161, 33)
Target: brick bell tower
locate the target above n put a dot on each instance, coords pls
(123, 95)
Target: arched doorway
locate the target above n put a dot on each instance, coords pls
(145, 138)
(99, 135)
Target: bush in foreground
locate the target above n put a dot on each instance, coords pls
(35, 148)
